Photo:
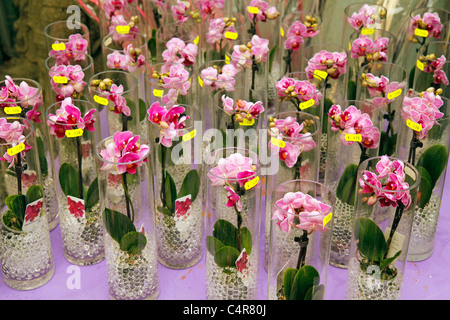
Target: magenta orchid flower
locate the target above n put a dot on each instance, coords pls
(333, 63)
(264, 11)
(12, 133)
(233, 199)
(74, 85)
(430, 22)
(364, 18)
(372, 50)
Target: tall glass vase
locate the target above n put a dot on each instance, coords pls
(425, 144)
(298, 31)
(294, 137)
(24, 99)
(178, 189)
(26, 252)
(115, 94)
(68, 76)
(60, 38)
(384, 85)
(433, 68)
(232, 225)
(384, 212)
(354, 134)
(368, 49)
(300, 239)
(425, 25)
(74, 131)
(126, 199)
(362, 16)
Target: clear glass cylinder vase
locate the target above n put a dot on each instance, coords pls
(433, 68)
(294, 38)
(68, 74)
(27, 101)
(26, 251)
(115, 94)
(354, 134)
(232, 225)
(178, 192)
(126, 198)
(73, 134)
(384, 213)
(300, 240)
(425, 144)
(385, 85)
(294, 138)
(59, 37)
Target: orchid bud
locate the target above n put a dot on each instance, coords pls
(372, 200)
(163, 125)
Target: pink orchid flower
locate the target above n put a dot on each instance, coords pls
(233, 199)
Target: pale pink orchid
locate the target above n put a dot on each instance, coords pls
(264, 11)
(363, 18)
(254, 52)
(179, 52)
(232, 168)
(334, 63)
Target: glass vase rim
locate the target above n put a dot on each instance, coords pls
(30, 126)
(220, 92)
(427, 45)
(319, 90)
(415, 11)
(316, 183)
(389, 35)
(110, 35)
(149, 78)
(315, 15)
(110, 138)
(344, 102)
(158, 31)
(406, 164)
(316, 132)
(238, 75)
(53, 56)
(325, 45)
(48, 26)
(362, 3)
(191, 107)
(127, 74)
(39, 92)
(386, 63)
(66, 124)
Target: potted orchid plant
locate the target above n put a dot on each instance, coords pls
(125, 188)
(354, 137)
(73, 132)
(26, 252)
(232, 226)
(378, 257)
(177, 190)
(300, 232)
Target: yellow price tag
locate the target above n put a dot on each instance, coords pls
(254, 10)
(327, 218)
(200, 81)
(246, 122)
(158, 93)
(250, 184)
(307, 104)
(421, 33)
(282, 32)
(231, 35)
(414, 125)
(13, 110)
(123, 29)
(355, 137)
(349, 46)
(74, 133)
(277, 142)
(394, 94)
(320, 75)
(15, 150)
(190, 135)
(101, 100)
(227, 59)
(59, 46)
(196, 40)
(366, 31)
(60, 79)
(420, 65)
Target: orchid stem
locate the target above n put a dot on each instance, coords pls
(303, 242)
(398, 215)
(128, 203)
(18, 168)
(80, 164)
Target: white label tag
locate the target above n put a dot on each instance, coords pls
(32, 215)
(396, 242)
(76, 208)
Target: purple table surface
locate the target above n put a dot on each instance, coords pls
(424, 280)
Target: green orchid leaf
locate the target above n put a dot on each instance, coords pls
(347, 184)
(213, 244)
(387, 145)
(133, 242)
(92, 195)
(152, 45)
(434, 160)
(288, 281)
(316, 293)
(190, 185)
(142, 109)
(164, 210)
(328, 103)
(351, 90)
(42, 158)
(68, 180)
(272, 55)
(226, 232)
(371, 240)
(226, 256)
(411, 77)
(170, 191)
(386, 262)
(117, 224)
(425, 187)
(18, 206)
(304, 280)
(246, 239)
(34, 193)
